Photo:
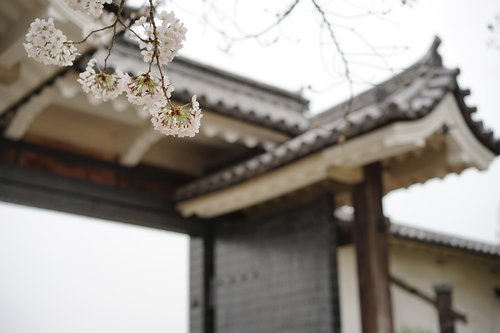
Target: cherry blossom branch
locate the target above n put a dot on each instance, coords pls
(48, 45)
(132, 31)
(90, 34)
(157, 55)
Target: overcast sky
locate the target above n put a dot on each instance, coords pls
(61, 273)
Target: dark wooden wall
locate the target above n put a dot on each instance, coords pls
(274, 273)
(57, 180)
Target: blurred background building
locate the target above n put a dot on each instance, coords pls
(256, 190)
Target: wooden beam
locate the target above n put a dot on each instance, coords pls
(43, 190)
(445, 308)
(334, 266)
(46, 178)
(139, 145)
(370, 239)
(27, 113)
(433, 301)
(209, 280)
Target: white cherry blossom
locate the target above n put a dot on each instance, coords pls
(159, 42)
(48, 45)
(181, 121)
(146, 89)
(170, 33)
(101, 85)
(92, 7)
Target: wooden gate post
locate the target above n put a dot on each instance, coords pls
(371, 253)
(445, 308)
(201, 280)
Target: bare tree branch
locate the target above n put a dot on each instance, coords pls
(347, 70)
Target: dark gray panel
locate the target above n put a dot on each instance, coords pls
(278, 273)
(196, 279)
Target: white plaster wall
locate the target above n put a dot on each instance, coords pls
(350, 318)
(473, 280)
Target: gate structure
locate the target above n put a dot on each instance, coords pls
(255, 190)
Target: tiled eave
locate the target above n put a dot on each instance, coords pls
(434, 238)
(317, 139)
(408, 233)
(409, 96)
(406, 110)
(342, 162)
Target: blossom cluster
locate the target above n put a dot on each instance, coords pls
(147, 91)
(159, 39)
(49, 45)
(92, 7)
(181, 121)
(102, 85)
(163, 39)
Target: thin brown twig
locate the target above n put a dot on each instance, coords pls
(356, 16)
(369, 45)
(90, 34)
(343, 57)
(157, 55)
(118, 13)
(231, 40)
(132, 31)
(280, 19)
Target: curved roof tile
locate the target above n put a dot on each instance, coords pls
(409, 95)
(429, 237)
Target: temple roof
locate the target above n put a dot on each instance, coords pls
(256, 143)
(408, 96)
